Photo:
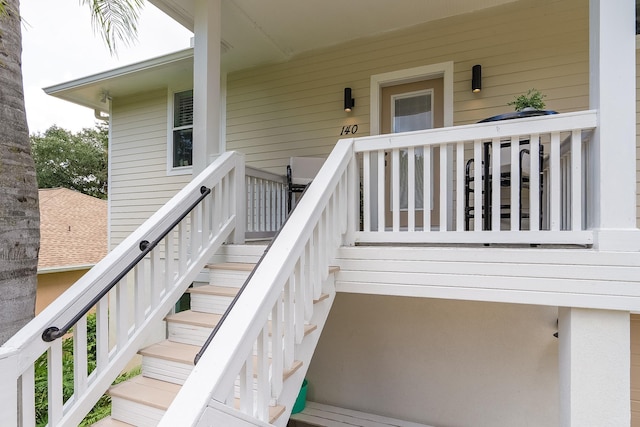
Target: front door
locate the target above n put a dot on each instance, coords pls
(409, 107)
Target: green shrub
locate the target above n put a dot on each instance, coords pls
(102, 407)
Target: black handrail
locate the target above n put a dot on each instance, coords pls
(52, 332)
(243, 287)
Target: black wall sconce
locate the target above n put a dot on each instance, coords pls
(349, 102)
(476, 78)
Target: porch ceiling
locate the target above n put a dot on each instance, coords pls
(258, 31)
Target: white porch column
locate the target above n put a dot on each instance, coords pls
(612, 92)
(594, 352)
(206, 83)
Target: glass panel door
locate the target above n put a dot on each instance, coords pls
(410, 112)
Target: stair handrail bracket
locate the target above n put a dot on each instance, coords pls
(284, 286)
(190, 226)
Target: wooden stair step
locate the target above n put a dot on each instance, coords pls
(172, 351)
(223, 291)
(195, 318)
(160, 394)
(110, 422)
(274, 411)
(237, 266)
(185, 353)
(242, 266)
(227, 291)
(146, 391)
(297, 364)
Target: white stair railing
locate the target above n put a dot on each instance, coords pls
(178, 247)
(266, 202)
(269, 318)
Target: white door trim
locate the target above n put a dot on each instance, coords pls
(409, 75)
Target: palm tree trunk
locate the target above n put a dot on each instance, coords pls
(19, 216)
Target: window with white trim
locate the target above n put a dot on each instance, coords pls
(182, 130)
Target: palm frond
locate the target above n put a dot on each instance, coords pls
(115, 20)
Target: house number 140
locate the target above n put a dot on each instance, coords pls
(350, 129)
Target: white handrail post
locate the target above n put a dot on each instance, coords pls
(9, 389)
(354, 197)
(239, 193)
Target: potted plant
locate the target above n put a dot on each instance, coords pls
(530, 101)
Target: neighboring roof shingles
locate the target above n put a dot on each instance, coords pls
(73, 229)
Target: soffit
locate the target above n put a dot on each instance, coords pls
(153, 74)
(259, 31)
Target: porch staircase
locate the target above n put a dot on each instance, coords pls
(143, 400)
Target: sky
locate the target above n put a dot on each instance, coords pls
(59, 45)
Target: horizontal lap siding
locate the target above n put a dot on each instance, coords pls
(139, 182)
(295, 108)
(580, 278)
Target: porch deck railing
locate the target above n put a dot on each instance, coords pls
(126, 316)
(518, 181)
(266, 203)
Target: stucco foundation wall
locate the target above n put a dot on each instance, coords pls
(439, 362)
(52, 285)
(296, 108)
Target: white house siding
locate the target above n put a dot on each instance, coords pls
(139, 182)
(295, 108)
(439, 362)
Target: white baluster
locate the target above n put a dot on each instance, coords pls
(262, 375)
(514, 179)
(246, 386)
(122, 315)
(183, 244)
(381, 191)
(394, 191)
(289, 322)
(27, 383)
(366, 190)
(139, 293)
(554, 184)
(276, 347)
(54, 384)
(444, 187)
(576, 180)
(102, 334)
(427, 195)
(168, 260)
(80, 357)
(298, 304)
(478, 186)
(411, 189)
(495, 184)
(535, 189)
(460, 186)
